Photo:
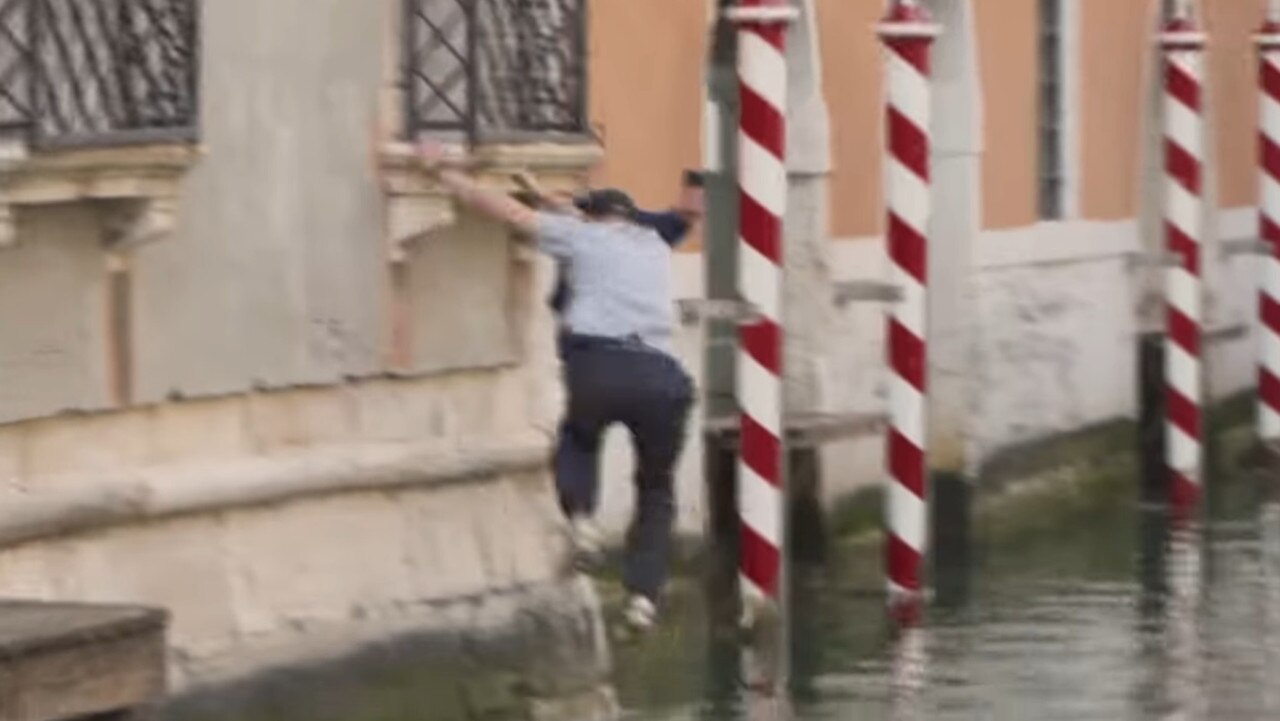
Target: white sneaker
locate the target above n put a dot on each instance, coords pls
(640, 614)
(588, 546)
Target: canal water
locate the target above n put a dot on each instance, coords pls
(1103, 613)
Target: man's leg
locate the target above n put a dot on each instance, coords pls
(658, 430)
(577, 458)
(577, 465)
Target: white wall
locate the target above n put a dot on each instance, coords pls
(1234, 303)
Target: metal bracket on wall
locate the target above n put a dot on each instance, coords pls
(863, 291)
(1226, 333)
(1163, 259)
(1212, 334)
(1243, 246)
(8, 226)
(128, 224)
(806, 430)
(694, 310)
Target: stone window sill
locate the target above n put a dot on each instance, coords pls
(417, 205)
(136, 188)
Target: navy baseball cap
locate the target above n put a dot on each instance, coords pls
(609, 201)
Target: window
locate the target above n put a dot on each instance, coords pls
(1052, 174)
(495, 68)
(100, 72)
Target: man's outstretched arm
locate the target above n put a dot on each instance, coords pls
(554, 233)
(561, 203)
(493, 204)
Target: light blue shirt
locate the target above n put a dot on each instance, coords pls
(621, 277)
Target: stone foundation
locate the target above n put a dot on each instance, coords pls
(289, 529)
(534, 652)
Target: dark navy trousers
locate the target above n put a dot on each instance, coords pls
(623, 381)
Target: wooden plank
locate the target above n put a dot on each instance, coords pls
(807, 429)
(60, 661)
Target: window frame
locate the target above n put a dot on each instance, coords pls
(73, 77)
(1057, 106)
(502, 95)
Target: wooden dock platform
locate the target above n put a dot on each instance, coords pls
(62, 661)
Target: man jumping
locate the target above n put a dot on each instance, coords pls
(619, 364)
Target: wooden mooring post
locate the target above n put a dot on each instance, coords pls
(65, 662)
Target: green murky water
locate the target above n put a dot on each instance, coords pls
(1104, 613)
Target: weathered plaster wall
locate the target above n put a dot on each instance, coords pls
(1231, 363)
(53, 344)
(462, 291)
(274, 276)
(269, 475)
(1055, 335)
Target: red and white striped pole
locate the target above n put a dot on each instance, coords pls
(1183, 45)
(1268, 39)
(908, 34)
(762, 194)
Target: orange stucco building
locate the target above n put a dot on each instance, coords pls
(646, 87)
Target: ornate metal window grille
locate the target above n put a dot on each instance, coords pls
(96, 72)
(494, 68)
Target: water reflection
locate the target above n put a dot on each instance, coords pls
(1269, 598)
(1109, 614)
(1183, 668)
(909, 668)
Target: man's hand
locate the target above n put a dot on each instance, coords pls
(528, 183)
(431, 153)
(434, 155)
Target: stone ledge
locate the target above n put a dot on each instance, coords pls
(28, 627)
(75, 661)
(501, 653)
(148, 494)
(136, 186)
(417, 205)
